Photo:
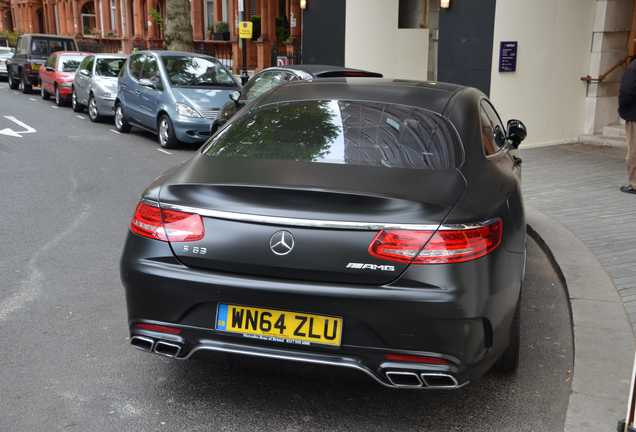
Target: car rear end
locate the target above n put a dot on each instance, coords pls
(325, 245)
(40, 47)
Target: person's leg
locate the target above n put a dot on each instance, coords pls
(630, 158)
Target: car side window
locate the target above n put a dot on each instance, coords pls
(135, 65)
(19, 46)
(151, 70)
(83, 67)
(89, 65)
(493, 132)
(266, 81)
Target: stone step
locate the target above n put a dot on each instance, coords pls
(614, 130)
(603, 140)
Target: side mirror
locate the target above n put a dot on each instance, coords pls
(235, 96)
(517, 132)
(84, 72)
(147, 83)
(49, 69)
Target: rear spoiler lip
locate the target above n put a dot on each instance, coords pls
(315, 223)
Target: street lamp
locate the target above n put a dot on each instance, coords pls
(444, 4)
(303, 4)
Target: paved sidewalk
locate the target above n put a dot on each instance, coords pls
(577, 185)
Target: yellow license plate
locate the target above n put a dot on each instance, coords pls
(279, 326)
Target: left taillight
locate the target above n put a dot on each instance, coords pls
(444, 246)
(166, 225)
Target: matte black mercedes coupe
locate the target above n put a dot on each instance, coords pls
(371, 224)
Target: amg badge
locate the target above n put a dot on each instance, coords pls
(362, 266)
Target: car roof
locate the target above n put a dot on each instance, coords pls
(49, 36)
(167, 53)
(430, 95)
(109, 55)
(319, 69)
(75, 53)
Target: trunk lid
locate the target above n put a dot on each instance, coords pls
(249, 207)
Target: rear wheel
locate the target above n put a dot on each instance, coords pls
(93, 112)
(13, 83)
(59, 101)
(120, 121)
(167, 138)
(26, 88)
(45, 95)
(77, 107)
(509, 360)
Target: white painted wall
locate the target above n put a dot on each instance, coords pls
(554, 52)
(374, 42)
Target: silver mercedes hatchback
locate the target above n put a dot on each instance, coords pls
(95, 85)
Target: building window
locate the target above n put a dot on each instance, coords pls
(113, 16)
(209, 19)
(413, 14)
(89, 19)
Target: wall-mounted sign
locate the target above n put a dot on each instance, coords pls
(508, 56)
(245, 29)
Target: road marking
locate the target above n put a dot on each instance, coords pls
(114, 131)
(17, 134)
(164, 151)
(32, 285)
(81, 117)
(54, 106)
(32, 99)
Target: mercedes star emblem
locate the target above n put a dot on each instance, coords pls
(282, 242)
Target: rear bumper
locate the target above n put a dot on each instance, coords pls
(469, 331)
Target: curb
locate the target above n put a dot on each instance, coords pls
(603, 337)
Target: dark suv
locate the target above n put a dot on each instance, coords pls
(31, 52)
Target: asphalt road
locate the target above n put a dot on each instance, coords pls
(67, 193)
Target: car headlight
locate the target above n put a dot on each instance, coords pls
(186, 111)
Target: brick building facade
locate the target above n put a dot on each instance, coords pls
(121, 25)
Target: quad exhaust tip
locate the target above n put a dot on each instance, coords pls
(405, 379)
(142, 343)
(167, 349)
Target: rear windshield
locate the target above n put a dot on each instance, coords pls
(341, 132)
(43, 47)
(109, 67)
(69, 63)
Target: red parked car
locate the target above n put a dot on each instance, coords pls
(57, 74)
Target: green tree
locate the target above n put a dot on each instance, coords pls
(178, 31)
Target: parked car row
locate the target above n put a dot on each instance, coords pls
(181, 97)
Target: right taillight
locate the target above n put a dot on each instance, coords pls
(444, 246)
(166, 225)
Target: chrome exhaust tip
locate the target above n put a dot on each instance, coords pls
(404, 379)
(167, 349)
(439, 381)
(142, 343)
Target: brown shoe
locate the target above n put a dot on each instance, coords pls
(628, 189)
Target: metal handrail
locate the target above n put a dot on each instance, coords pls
(588, 79)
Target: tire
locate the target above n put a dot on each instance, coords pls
(77, 107)
(509, 360)
(93, 112)
(59, 101)
(165, 132)
(13, 84)
(26, 88)
(45, 95)
(120, 120)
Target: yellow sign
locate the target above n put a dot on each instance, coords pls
(245, 29)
